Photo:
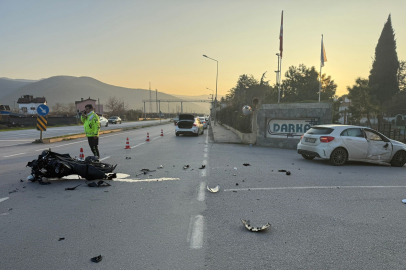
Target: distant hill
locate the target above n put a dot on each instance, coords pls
(9, 85)
(66, 89)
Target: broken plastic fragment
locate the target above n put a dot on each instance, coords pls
(185, 167)
(127, 157)
(72, 188)
(214, 190)
(281, 170)
(404, 201)
(246, 164)
(287, 172)
(62, 238)
(160, 166)
(97, 259)
(203, 167)
(235, 168)
(254, 229)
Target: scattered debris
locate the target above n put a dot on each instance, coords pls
(160, 167)
(404, 201)
(111, 176)
(13, 191)
(97, 259)
(214, 190)
(10, 209)
(281, 170)
(235, 168)
(235, 191)
(293, 163)
(288, 173)
(236, 184)
(62, 238)
(246, 164)
(127, 157)
(254, 229)
(234, 175)
(72, 188)
(185, 167)
(147, 170)
(100, 183)
(21, 180)
(203, 167)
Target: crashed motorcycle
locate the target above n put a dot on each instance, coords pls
(54, 165)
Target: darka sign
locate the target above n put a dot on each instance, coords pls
(289, 128)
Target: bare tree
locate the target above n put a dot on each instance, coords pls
(116, 106)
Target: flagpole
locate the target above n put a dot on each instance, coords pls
(280, 76)
(320, 83)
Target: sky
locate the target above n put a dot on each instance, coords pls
(162, 42)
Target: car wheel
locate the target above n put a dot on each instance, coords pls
(177, 134)
(309, 157)
(399, 159)
(202, 131)
(107, 124)
(338, 157)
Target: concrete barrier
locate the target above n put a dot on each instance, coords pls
(248, 138)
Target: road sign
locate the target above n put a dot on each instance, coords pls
(42, 123)
(42, 110)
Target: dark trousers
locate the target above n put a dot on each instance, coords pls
(94, 145)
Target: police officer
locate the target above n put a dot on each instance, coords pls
(92, 126)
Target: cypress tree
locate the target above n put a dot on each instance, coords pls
(383, 75)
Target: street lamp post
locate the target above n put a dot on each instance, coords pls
(217, 75)
(212, 103)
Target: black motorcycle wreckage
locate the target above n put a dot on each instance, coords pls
(53, 165)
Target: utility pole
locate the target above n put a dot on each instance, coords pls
(156, 100)
(150, 99)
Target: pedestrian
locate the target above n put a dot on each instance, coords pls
(92, 126)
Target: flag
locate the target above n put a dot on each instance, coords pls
(323, 57)
(281, 36)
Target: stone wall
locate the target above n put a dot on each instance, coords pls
(320, 113)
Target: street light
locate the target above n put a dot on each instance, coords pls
(217, 75)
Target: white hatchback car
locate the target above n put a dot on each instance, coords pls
(188, 125)
(340, 143)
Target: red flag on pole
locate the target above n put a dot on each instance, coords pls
(281, 36)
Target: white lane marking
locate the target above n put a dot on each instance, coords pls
(146, 180)
(15, 140)
(15, 155)
(312, 187)
(104, 158)
(3, 199)
(201, 195)
(138, 145)
(205, 150)
(205, 155)
(60, 145)
(155, 138)
(196, 239)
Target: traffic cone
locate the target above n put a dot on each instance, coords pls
(162, 132)
(81, 155)
(127, 144)
(147, 140)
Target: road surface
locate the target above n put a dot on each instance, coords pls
(322, 217)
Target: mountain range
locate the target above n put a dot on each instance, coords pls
(67, 89)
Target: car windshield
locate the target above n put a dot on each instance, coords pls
(319, 130)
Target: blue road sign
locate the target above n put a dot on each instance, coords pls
(42, 110)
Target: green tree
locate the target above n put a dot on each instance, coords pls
(361, 104)
(301, 84)
(402, 75)
(383, 78)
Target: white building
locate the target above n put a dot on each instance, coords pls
(27, 104)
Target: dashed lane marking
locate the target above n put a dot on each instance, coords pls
(104, 158)
(15, 155)
(196, 235)
(201, 195)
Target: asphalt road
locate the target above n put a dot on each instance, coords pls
(12, 138)
(323, 217)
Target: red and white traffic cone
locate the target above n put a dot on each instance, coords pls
(127, 144)
(162, 132)
(147, 140)
(81, 155)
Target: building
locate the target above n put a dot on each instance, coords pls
(80, 105)
(27, 104)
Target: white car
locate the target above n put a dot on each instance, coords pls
(340, 143)
(203, 121)
(188, 124)
(103, 121)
